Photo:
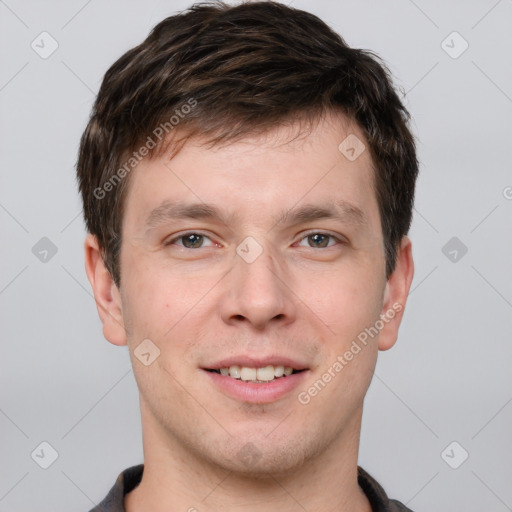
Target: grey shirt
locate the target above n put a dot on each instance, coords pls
(131, 477)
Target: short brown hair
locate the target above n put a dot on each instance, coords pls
(239, 70)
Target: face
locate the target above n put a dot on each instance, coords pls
(251, 260)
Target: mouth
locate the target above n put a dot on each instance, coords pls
(257, 381)
(261, 375)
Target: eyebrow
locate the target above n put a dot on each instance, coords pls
(338, 210)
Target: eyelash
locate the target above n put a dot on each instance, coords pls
(173, 240)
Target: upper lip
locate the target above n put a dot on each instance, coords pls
(256, 362)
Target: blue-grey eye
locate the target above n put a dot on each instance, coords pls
(319, 240)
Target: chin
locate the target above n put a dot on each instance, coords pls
(262, 459)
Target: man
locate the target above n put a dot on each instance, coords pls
(248, 183)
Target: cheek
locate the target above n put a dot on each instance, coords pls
(347, 302)
(355, 378)
(152, 304)
(163, 309)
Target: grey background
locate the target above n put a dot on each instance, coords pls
(447, 379)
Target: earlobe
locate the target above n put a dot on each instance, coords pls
(106, 294)
(395, 295)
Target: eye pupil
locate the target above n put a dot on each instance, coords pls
(192, 241)
(323, 240)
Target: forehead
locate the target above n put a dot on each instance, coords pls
(261, 177)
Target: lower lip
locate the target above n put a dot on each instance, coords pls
(257, 393)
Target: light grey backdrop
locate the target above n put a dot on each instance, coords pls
(447, 380)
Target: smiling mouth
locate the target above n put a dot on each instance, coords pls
(256, 375)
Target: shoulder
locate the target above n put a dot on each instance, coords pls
(125, 482)
(376, 495)
(396, 506)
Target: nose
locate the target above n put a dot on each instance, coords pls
(258, 293)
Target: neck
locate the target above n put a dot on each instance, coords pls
(176, 479)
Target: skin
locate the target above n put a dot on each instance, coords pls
(299, 299)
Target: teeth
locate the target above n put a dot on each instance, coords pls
(248, 373)
(234, 371)
(278, 371)
(265, 374)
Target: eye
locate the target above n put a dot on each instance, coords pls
(319, 240)
(190, 240)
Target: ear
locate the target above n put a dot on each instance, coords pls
(106, 294)
(395, 295)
